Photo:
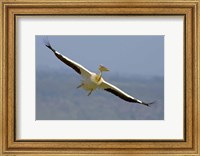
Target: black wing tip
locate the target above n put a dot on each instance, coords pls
(148, 104)
(46, 41)
(47, 44)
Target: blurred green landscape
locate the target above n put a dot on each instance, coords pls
(58, 99)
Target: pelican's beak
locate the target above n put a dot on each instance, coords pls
(102, 68)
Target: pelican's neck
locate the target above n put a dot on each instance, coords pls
(99, 75)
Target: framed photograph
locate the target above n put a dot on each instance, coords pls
(90, 78)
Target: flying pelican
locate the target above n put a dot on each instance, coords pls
(92, 81)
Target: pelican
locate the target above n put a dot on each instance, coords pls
(92, 81)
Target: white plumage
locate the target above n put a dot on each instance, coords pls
(92, 81)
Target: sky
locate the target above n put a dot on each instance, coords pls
(136, 65)
(127, 55)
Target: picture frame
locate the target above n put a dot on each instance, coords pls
(11, 146)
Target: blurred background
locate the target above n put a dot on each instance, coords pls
(136, 66)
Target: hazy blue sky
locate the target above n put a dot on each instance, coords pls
(132, 55)
(136, 66)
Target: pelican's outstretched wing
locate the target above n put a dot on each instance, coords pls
(74, 65)
(116, 91)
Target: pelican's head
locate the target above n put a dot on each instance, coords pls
(103, 69)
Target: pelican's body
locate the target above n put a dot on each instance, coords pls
(91, 81)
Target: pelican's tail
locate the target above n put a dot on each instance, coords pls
(47, 44)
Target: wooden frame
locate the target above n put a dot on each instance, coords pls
(12, 8)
